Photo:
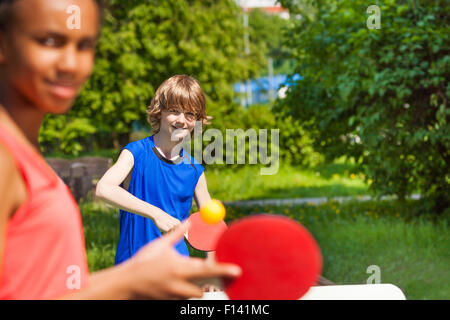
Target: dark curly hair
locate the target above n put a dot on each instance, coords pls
(6, 13)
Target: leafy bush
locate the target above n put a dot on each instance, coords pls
(295, 145)
(378, 95)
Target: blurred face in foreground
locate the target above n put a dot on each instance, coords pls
(44, 60)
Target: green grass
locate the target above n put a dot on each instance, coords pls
(412, 256)
(329, 180)
(412, 252)
(101, 230)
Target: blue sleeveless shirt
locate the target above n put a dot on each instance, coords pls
(165, 184)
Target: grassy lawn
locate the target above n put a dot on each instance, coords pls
(411, 252)
(329, 180)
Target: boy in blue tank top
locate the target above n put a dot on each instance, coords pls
(154, 180)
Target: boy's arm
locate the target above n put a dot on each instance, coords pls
(109, 190)
(201, 193)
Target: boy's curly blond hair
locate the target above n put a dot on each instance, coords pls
(180, 91)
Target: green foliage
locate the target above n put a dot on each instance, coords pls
(142, 44)
(266, 34)
(378, 95)
(295, 145)
(67, 134)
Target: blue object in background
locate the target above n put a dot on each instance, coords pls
(260, 88)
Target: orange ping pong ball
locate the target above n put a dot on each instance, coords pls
(212, 212)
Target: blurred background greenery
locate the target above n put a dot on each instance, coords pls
(369, 115)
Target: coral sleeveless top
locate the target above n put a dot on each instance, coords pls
(44, 252)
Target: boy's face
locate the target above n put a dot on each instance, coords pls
(177, 124)
(44, 56)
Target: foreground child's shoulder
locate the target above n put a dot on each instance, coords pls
(7, 162)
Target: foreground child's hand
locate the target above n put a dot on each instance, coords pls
(158, 272)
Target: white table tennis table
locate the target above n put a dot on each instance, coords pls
(383, 291)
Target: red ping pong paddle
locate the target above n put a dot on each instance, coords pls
(203, 236)
(279, 258)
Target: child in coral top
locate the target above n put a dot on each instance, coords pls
(43, 65)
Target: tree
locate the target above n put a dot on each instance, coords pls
(267, 33)
(378, 95)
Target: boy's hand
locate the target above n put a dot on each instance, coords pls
(165, 222)
(211, 287)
